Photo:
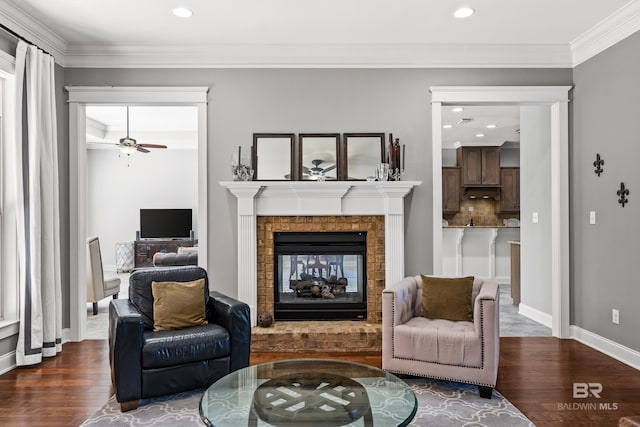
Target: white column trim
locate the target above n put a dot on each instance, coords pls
(492, 253)
(459, 238)
(436, 165)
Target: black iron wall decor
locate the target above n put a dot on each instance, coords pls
(598, 164)
(623, 193)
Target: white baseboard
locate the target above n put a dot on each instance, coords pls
(535, 314)
(7, 362)
(604, 345)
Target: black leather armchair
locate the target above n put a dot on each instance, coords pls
(145, 363)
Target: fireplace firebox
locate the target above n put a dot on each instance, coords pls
(320, 275)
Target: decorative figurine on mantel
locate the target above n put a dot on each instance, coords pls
(396, 163)
(241, 170)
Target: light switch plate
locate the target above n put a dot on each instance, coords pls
(534, 217)
(592, 217)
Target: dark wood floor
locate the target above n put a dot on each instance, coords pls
(536, 375)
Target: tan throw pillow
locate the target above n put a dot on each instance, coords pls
(447, 298)
(177, 305)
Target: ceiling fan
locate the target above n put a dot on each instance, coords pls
(128, 145)
(316, 170)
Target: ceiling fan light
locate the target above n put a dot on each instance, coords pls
(128, 149)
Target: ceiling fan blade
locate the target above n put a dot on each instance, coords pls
(152, 145)
(330, 168)
(306, 170)
(142, 150)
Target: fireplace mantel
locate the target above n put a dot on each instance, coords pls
(311, 198)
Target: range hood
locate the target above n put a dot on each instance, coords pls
(470, 193)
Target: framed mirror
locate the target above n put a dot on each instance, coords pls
(272, 156)
(361, 153)
(318, 156)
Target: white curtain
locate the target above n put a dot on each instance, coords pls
(38, 214)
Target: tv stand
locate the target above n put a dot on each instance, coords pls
(145, 249)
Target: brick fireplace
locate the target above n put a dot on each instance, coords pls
(267, 207)
(373, 225)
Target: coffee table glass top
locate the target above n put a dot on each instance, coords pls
(308, 392)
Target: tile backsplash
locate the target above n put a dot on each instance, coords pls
(482, 211)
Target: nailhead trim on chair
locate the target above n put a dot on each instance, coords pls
(393, 348)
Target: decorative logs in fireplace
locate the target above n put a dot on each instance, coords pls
(320, 275)
(318, 287)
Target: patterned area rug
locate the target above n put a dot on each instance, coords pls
(440, 403)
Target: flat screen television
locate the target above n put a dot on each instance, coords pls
(165, 223)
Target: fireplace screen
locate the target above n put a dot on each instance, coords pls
(320, 276)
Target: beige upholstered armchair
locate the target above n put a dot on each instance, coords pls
(98, 287)
(463, 351)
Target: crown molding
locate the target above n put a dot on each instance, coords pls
(416, 55)
(618, 26)
(624, 22)
(34, 31)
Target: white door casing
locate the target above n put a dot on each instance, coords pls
(556, 97)
(79, 98)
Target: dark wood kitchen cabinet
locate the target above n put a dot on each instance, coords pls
(451, 188)
(510, 190)
(480, 165)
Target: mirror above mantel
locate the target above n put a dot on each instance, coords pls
(316, 156)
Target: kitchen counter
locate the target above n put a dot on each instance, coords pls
(479, 250)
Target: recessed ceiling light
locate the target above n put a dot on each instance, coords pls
(447, 126)
(457, 109)
(463, 12)
(479, 135)
(491, 126)
(182, 12)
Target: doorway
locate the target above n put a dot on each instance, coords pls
(79, 99)
(158, 174)
(555, 99)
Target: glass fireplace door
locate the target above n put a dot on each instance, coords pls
(320, 276)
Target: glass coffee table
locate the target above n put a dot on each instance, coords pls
(308, 392)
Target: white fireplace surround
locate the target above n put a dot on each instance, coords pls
(311, 198)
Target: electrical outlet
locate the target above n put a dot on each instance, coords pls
(615, 316)
(534, 217)
(592, 217)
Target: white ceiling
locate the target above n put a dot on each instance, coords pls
(173, 126)
(296, 32)
(505, 118)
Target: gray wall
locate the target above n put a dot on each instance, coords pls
(535, 188)
(604, 255)
(316, 100)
